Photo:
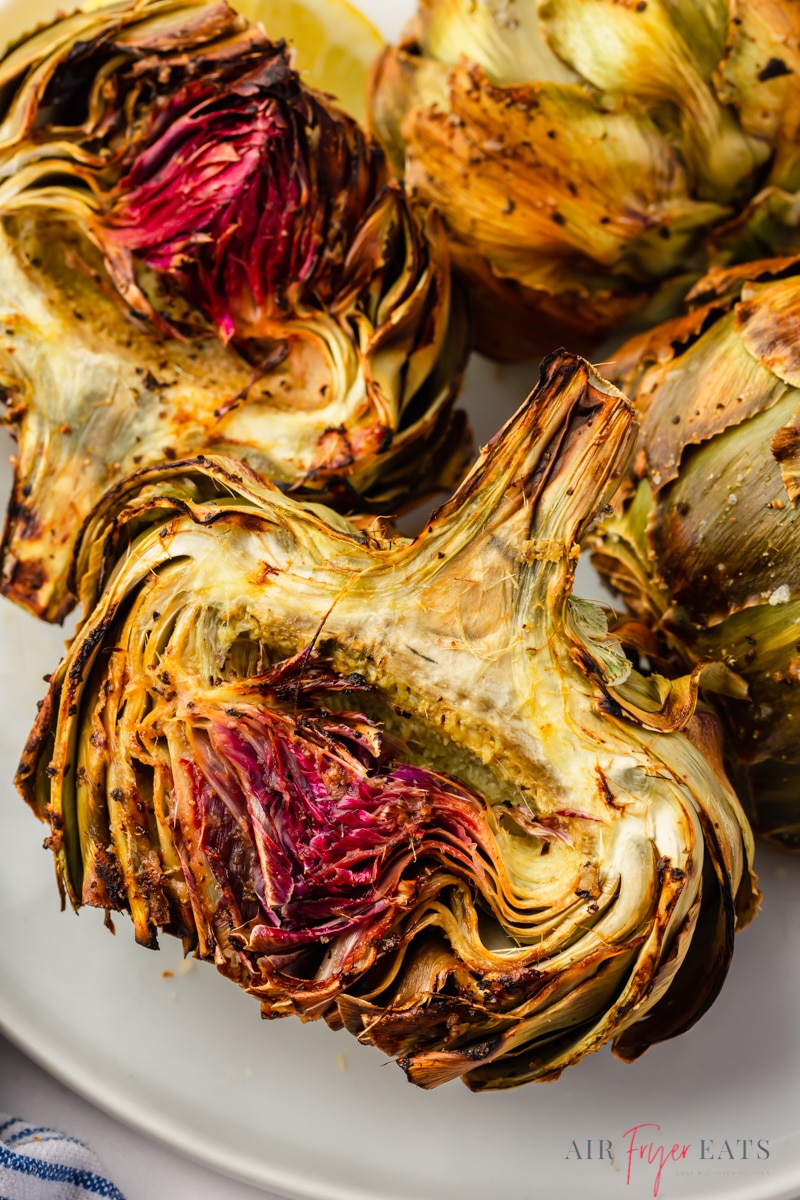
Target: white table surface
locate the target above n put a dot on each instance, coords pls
(140, 1167)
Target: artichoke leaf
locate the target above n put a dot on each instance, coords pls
(769, 659)
(759, 77)
(383, 778)
(735, 534)
(623, 179)
(725, 282)
(785, 446)
(401, 79)
(503, 37)
(641, 51)
(766, 226)
(675, 415)
(766, 318)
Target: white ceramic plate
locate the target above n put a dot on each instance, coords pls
(182, 1054)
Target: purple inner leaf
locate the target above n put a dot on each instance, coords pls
(311, 813)
(246, 191)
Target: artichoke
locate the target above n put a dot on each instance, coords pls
(706, 548)
(409, 786)
(582, 151)
(198, 252)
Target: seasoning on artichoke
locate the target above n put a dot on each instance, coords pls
(581, 151)
(707, 547)
(413, 787)
(200, 253)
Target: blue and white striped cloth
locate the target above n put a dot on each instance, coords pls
(43, 1164)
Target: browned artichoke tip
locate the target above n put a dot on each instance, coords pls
(706, 547)
(413, 787)
(197, 252)
(585, 153)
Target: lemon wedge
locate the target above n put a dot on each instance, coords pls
(334, 44)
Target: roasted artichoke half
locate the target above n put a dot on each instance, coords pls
(410, 786)
(200, 253)
(582, 151)
(706, 548)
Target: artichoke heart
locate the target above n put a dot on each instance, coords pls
(197, 252)
(705, 548)
(584, 154)
(412, 787)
